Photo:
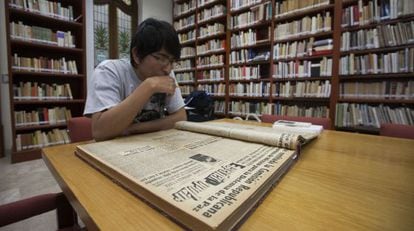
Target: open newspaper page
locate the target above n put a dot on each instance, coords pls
(246, 132)
(202, 181)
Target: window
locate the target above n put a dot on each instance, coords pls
(114, 24)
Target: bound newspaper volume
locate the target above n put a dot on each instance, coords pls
(205, 176)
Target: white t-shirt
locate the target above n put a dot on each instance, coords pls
(114, 80)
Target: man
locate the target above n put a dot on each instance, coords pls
(141, 95)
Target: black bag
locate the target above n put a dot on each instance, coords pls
(199, 106)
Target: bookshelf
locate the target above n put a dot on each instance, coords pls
(201, 25)
(47, 71)
(376, 73)
(303, 66)
(299, 58)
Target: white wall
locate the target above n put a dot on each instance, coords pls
(160, 9)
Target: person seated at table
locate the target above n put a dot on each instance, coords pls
(140, 95)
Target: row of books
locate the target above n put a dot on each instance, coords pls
(186, 89)
(209, 30)
(201, 3)
(283, 8)
(185, 77)
(242, 108)
(249, 89)
(248, 55)
(388, 35)
(211, 13)
(42, 91)
(367, 12)
(352, 115)
(248, 38)
(277, 108)
(244, 72)
(184, 7)
(314, 89)
(217, 89)
(40, 139)
(303, 68)
(210, 61)
(187, 52)
(219, 106)
(305, 26)
(395, 62)
(211, 75)
(187, 36)
(238, 4)
(387, 89)
(257, 14)
(184, 23)
(184, 64)
(211, 46)
(44, 64)
(44, 7)
(42, 116)
(41, 35)
(307, 47)
(300, 110)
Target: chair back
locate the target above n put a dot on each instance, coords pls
(397, 130)
(80, 129)
(324, 122)
(30, 207)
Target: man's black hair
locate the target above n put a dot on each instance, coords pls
(152, 36)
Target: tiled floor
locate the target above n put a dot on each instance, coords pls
(22, 180)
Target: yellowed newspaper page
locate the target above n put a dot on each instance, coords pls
(207, 177)
(246, 132)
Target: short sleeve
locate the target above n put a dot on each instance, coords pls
(104, 91)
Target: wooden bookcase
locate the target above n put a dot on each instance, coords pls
(376, 76)
(291, 62)
(47, 72)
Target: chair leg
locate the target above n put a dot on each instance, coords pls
(66, 216)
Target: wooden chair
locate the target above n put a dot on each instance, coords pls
(397, 130)
(33, 206)
(325, 122)
(80, 129)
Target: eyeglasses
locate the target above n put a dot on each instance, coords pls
(163, 59)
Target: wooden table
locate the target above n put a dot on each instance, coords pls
(342, 181)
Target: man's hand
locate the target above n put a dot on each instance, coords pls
(162, 84)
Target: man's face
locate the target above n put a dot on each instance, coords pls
(156, 64)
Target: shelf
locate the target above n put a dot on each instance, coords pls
(212, 19)
(304, 13)
(302, 79)
(377, 50)
(46, 74)
(313, 99)
(185, 14)
(35, 18)
(252, 63)
(376, 101)
(43, 102)
(323, 34)
(369, 77)
(378, 23)
(209, 37)
(252, 26)
(38, 127)
(24, 45)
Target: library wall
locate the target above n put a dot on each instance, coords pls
(348, 60)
